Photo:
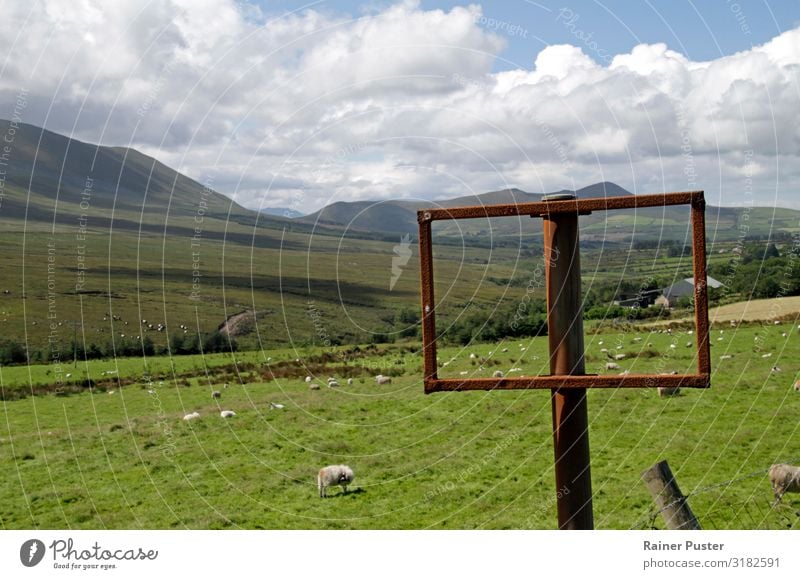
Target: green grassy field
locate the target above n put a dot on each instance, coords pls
(120, 455)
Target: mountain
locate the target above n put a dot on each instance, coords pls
(401, 216)
(281, 212)
(52, 179)
(97, 240)
(61, 178)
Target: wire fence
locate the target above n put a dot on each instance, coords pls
(754, 511)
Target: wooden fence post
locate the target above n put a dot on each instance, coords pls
(668, 498)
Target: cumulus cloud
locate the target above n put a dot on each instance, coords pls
(314, 106)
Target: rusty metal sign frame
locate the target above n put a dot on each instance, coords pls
(583, 207)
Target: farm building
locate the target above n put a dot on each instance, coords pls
(685, 288)
(640, 299)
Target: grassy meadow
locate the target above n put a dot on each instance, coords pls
(119, 455)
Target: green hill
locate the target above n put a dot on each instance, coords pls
(98, 239)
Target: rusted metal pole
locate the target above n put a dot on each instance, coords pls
(428, 301)
(565, 335)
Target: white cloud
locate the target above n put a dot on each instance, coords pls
(311, 106)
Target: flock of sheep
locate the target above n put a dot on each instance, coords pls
(784, 478)
(328, 476)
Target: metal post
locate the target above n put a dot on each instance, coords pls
(565, 335)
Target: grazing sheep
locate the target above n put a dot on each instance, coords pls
(308, 379)
(192, 416)
(349, 381)
(668, 391)
(333, 384)
(335, 474)
(505, 350)
(767, 355)
(612, 366)
(227, 414)
(785, 478)
(725, 357)
(313, 386)
(464, 373)
(688, 344)
(216, 394)
(619, 357)
(381, 379)
(797, 386)
(276, 406)
(472, 356)
(497, 374)
(776, 369)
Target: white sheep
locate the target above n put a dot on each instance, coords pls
(498, 374)
(276, 406)
(349, 381)
(472, 356)
(227, 414)
(668, 391)
(785, 478)
(612, 366)
(192, 416)
(333, 384)
(619, 357)
(335, 474)
(308, 379)
(313, 386)
(216, 394)
(797, 386)
(381, 379)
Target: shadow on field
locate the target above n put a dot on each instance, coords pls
(358, 491)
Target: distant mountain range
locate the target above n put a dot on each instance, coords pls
(52, 179)
(281, 212)
(401, 216)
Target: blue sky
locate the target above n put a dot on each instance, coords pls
(701, 30)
